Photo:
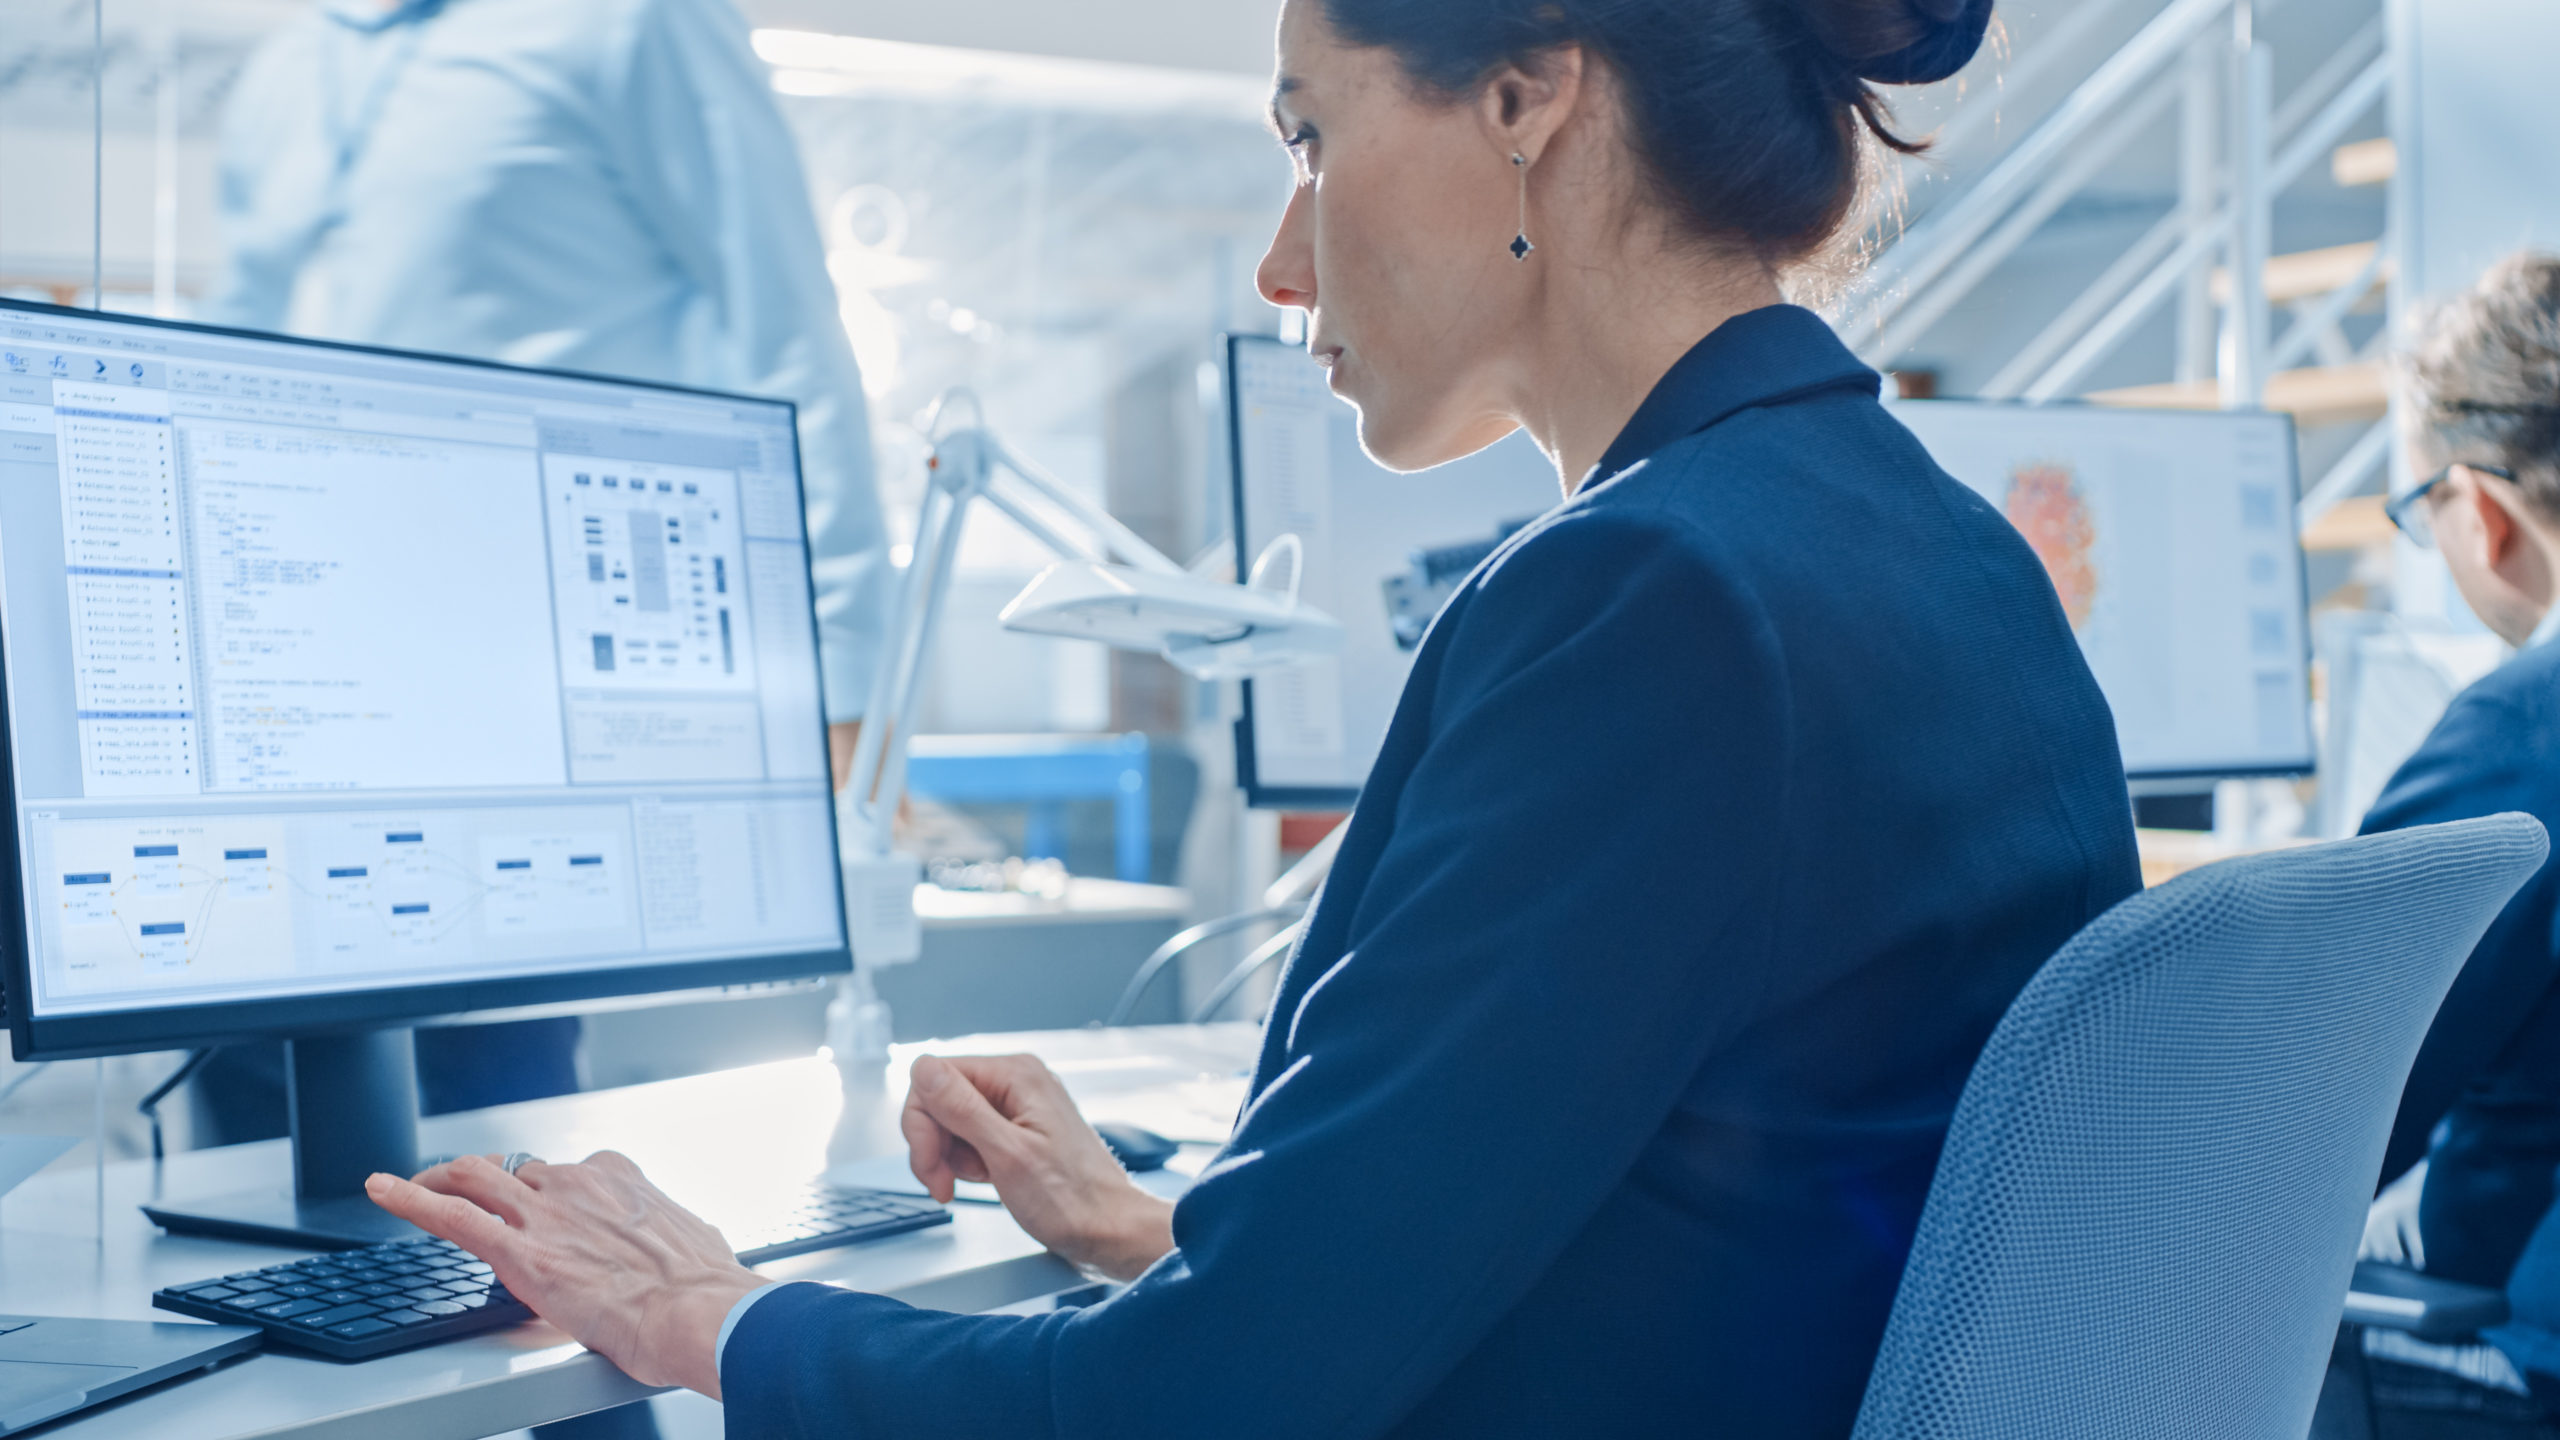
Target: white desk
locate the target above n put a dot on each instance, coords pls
(765, 1125)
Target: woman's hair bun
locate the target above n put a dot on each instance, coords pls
(1750, 116)
(1900, 42)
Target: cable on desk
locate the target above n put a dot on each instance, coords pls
(19, 1081)
(1263, 954)
(149, 1108)
(1204, 931)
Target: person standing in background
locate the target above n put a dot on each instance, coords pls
(594, 185)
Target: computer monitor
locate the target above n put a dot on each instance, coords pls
(1383, 552)
(346, 688)
(2171, 538)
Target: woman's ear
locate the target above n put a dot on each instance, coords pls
(1524, 105)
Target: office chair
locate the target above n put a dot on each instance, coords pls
(2147, 1211)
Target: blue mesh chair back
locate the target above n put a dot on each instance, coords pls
(2146, 1214)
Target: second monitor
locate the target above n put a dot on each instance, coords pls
(1382, 551)
(2171, 540)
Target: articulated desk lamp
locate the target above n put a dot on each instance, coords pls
(1108, 585)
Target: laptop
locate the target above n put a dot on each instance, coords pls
(51, 1367)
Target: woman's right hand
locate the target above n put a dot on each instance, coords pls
(1006, 1120)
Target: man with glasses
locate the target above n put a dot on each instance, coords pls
(2497, 538)
(2482, 1107)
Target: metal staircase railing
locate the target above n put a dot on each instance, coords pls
(2239, 150)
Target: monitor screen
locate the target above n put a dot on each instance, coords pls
(1383, 551)
(348, 686)
(2171, 538)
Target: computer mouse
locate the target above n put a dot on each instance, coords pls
(1138, 1150)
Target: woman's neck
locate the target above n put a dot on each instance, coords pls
(1606, 331)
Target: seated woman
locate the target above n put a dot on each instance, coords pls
(1726, 810)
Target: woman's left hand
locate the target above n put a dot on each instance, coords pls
(595, 1249)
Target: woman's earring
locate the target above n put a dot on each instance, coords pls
(1520, 246)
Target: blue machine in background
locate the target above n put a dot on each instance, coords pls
(1044, 772)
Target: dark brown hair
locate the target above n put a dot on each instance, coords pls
(1747, 114)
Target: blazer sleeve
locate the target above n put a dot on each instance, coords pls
(2479, 760)
(1571, 913)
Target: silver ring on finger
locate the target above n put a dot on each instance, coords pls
(517, 1160)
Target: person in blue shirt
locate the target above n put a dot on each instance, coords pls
(1727, 808)
(595, 185)
(2482, 1107)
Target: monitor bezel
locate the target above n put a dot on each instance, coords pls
(89, 1033)
(1257, 795)
(2281, 770)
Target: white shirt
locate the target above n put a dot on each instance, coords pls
(599, 185)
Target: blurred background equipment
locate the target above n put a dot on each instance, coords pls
(1431, 575)
(1107, 584)
(1308, 735)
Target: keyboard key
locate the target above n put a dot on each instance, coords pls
(442, 1276)
(299, 1290)
(291, 1309)
(404, 1317)
(210, 1294)
(358, 1329)
(440, 1307)
(339, 1316)
(377, 1290)
(472, 1301)
(340, 1297)
(249, 1304)
(246, 1287)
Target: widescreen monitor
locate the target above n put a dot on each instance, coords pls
(2171, 539)
(347, 687)
(1382, 552)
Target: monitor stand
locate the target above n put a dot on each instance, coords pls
(354, 1105)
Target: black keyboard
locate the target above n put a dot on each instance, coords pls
(356, 1304)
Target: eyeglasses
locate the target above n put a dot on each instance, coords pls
(2409, 510)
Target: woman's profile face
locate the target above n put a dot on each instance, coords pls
(1395, 244)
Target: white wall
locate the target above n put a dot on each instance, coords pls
(2477, 151)
(1228, 35)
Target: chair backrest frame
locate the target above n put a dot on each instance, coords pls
(2145, 1217)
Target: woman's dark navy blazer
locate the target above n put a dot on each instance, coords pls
(1726, 810)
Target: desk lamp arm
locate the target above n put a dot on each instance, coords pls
(1008, 473)
(967, 465)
